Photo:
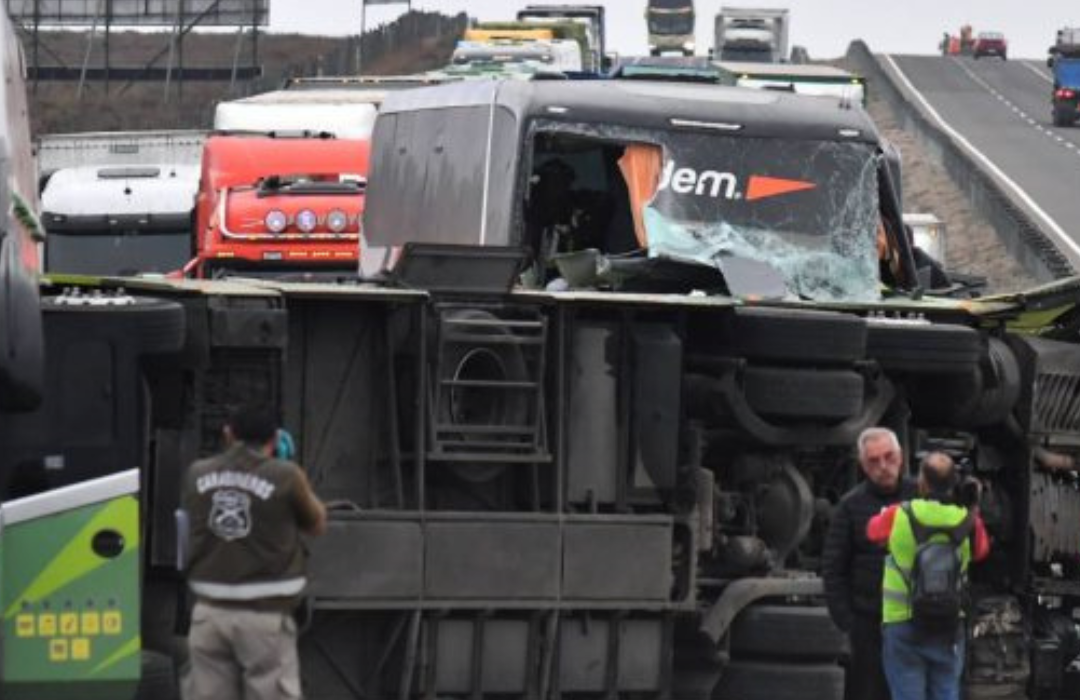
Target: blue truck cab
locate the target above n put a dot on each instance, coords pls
(1066, 98)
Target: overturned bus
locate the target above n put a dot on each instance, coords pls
(582, 435)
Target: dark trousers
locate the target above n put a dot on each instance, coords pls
(865, 678)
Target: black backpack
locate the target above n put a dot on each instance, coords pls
(938, 585)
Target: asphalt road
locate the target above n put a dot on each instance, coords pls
(1001, 109)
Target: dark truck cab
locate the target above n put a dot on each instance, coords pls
(645, 186)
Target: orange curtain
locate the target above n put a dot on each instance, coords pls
(640, 165)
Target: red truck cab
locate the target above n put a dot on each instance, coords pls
(278, 204)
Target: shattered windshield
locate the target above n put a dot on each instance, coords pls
(807, 210)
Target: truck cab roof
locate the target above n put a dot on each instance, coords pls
(650, 104)
(117, 190)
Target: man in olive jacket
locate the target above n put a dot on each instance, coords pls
(853, 565)
(246, 565)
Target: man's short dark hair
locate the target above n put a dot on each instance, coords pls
(939, 472)
(253, 423)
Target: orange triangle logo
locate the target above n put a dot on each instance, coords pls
(762, 187)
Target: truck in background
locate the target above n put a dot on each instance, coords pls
(1066, 87)
(757, 35)
(157, 147)
(561, 55)
(1064, 61)
(279, 204)
(1066, 40)
(592, 16)
(805, 79)
(671, 27)
(339, 112)
(282, 182)
(119, 220)
(545, 42)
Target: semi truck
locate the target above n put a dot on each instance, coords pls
(119, 203)
(671, 27)
(281, 184)
(751, 34)
(279, 204)
(119, 220)
(1064, 61)
(566, 44)
(592, 16)
(583, 438)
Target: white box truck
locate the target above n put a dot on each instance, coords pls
(759, 35)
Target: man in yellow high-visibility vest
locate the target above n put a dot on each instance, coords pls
(923, 663)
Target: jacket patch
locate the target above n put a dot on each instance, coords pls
(230, 514)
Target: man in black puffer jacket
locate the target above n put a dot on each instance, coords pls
(853, 566)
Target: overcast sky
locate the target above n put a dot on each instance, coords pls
(825, 27)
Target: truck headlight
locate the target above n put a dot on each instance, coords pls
(337, 220)
(688, 46)
(306, 220)
(276, 221)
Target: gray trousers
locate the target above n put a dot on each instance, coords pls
(239, 654)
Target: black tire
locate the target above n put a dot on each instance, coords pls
(924, 348)
(981, 397)
(158, 324)
(753, 680)
(158, 679)
(1001, 385)
(780, 392)
(803, 336)
(786, 631)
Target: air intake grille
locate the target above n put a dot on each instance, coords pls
(1057, 403)
(1055, 511)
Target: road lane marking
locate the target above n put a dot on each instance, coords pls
(1052, 225)
(1037, 72)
